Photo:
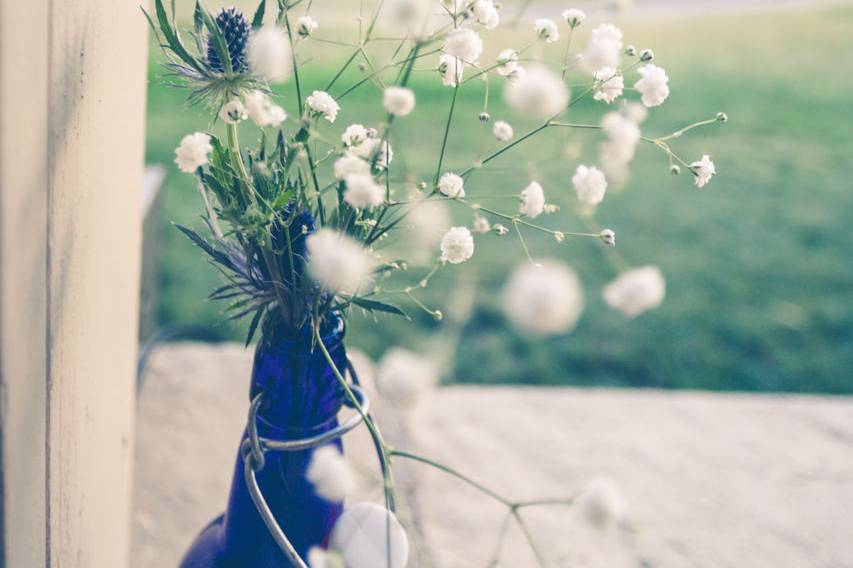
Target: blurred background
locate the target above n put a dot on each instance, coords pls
(758, 263)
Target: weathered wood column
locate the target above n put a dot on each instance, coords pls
(72, 102)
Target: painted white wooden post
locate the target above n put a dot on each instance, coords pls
(72, 102)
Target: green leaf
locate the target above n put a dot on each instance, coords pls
(254, 325)
(172, 37)
(197, 18)
(258, 19)
(374, 305)
(283, 199)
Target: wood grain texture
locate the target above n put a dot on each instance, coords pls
(23, 278)
(72, 106)
(97, 71)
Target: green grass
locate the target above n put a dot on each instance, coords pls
(758, 264)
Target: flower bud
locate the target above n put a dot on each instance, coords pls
(484, 117)
(630, 51)
(674, 169)
(722, 117)
(560, 237)
(647, 55)
(438, 315)
(500, 230)
(608, 237)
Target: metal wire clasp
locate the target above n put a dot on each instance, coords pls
(254, 447)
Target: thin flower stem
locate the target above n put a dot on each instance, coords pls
(678, 133)
(568, 48)
(446, 134)
(450, 471)
(342, 70)
(498, 549)
(506, 148)
(575, 125)
(540, 558)
(523, 243)
(379, 442)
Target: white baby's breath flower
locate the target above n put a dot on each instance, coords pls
(349, 164)
(337, 262)
(635, 112)
(532, 200)
(608, 237)
(612, 83)
(574, 17)
(465, 44)
(411, 15)
(546, 29)
(543, 299)
(376, 151)
(319, 558)
(362, 192)
(481, 224)
(322, 103)
(450, 68)
(636, 291)
(539, 92)
(263, 111)
(269, 54)
(652, 85)
(306, 25)
(451, 185)
(330, 474)
(621, 138)
(601, 503)
(398, 101)
(193, 152)
(428, 222)
(590, 184)
(405, 377)
(486, 14)
(507, 62)
(365, 533)
(354, 135)
(502, 131)
(457, 245)
(603, 49)
(233, 112)
(703, 169)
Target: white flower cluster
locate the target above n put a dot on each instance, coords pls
(457, 245)
(331, 474)
(269, 54)
(323, 104)
(404, 377)
(337, 262)
(539, 92)
(193, 152)
(543, 299)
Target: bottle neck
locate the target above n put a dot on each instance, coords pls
(302, 395)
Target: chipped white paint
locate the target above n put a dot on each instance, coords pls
(72, 97)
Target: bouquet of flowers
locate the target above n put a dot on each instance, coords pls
(301, 220)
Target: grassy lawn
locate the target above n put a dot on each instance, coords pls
(758, 264)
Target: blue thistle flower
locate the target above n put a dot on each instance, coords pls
(236, 30)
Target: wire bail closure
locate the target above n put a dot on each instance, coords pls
(254, 447)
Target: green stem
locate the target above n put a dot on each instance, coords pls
(452, 472)
(379, 442)
(446, 134)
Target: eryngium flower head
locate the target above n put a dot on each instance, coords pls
(236, 30)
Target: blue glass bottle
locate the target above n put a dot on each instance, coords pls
(302, 398)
